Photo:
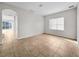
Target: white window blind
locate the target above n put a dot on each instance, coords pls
(56, 24)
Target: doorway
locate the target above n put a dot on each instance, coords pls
(9, 25)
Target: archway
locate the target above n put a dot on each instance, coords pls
(9, 25)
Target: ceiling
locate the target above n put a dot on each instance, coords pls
(44, 8)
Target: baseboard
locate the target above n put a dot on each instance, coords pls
(61, 36)
(22, 37)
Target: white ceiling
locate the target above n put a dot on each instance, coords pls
(47, 7)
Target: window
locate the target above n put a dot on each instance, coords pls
(7, 25)
(56, 24)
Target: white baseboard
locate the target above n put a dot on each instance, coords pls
(22, 37)
(28, 36)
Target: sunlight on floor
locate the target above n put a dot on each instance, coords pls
(8, 36)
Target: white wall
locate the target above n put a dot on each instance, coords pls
(78, 22)
(29, 24)
(0, 26)
(70, 19)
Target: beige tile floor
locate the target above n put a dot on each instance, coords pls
(41, 45)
